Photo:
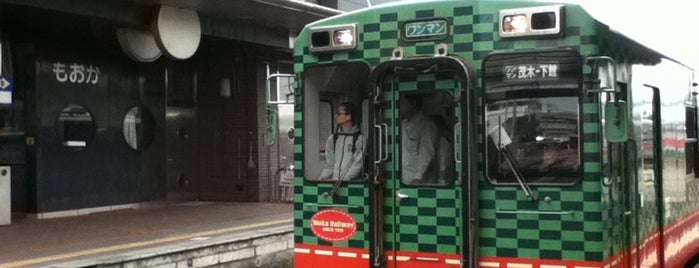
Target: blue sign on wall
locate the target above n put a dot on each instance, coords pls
(7, 83)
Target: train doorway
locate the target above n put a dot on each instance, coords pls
(422, 161)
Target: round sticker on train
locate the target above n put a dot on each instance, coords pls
(333, 225)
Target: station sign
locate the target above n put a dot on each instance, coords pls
(76, 73)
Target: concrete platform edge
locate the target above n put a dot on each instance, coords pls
(259, 246)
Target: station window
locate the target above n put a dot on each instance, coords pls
(139, 127)
(334, 132)
(75, 127)
(11, 123)
(11, 107)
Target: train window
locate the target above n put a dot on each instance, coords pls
(75, 127)
(139, 127)
(426, 135)
(535, 138)
(532, 118)
(334, 140)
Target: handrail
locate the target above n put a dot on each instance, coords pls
(502, 211)
(457, 142)
(331, 205)
(380, 156)
(611, 61)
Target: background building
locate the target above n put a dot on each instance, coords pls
(115, 103)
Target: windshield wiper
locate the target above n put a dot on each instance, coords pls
(501, 140)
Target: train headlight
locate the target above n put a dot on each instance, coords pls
(537, 21)
(343, 38)
(333, 38)
(515, 24)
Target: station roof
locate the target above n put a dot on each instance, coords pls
(267, 22)
(291, 15)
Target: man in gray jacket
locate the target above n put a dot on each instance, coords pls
(344, 150)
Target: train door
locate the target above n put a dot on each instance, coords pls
(629, 189)
(422, 107)
(622, 179)
(628, 194)
(646, 115)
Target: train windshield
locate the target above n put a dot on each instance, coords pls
(532, 118)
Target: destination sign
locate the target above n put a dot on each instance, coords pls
(429, 29)
(530, 72)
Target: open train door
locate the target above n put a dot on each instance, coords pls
(424, 173)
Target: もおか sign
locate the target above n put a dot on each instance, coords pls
(333, 225)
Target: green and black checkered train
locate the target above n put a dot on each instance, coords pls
(491, 134)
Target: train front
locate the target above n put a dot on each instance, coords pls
(396, 195)
(447, 134)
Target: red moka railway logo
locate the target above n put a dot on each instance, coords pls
(333, 225)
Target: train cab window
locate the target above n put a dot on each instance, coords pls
(334, 132)
(532, 118)
(75, 127)
(139, 127)
(426, 135)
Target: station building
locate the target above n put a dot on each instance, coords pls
(113, 104)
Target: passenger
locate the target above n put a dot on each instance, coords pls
(419, 142)
(344, 150)
(445, 150)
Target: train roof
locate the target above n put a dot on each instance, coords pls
(612, 41)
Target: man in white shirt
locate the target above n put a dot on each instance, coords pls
(419, 141)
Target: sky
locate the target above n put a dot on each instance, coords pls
(668, 26)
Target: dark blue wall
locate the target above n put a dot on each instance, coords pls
(107, 171)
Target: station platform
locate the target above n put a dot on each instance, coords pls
(192, 234)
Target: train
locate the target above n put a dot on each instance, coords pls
(492, 134)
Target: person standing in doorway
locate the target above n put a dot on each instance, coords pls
(418, 143)
(344, 149)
